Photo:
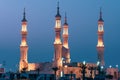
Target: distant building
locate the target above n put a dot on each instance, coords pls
(112, 73)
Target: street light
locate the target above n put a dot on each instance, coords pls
(102, 71)
(102, 67)
(62, 72)
(117, 72)
(98, 63)
(83, 66)
(116, 66)
(84, 62)
(110, 66)
(98, 66)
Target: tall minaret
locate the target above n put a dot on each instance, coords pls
(57, 42)
(65, 49)
(100, 45)
(23, 46)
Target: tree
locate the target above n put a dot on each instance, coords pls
(55, 70)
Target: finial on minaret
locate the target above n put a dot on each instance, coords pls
(100, 19)
(58, 12)
(24, 16)
(65, 19)
(58, 7)
(100, 12)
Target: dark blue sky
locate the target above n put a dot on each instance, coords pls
(82, 18)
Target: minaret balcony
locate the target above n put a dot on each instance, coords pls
(24, 46)
(58, 17)
(100, 32)
(65, 35)
(24, 32)
(57, 29)
(100, 46)
(57, 42)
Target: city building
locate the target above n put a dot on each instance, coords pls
(112, 73)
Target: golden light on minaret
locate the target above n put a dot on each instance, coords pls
(58, 27)
(57, 42)
(23, 46)
(100, 45)
(65, 49)
(65, 33)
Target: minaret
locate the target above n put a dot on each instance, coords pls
(100, 45)
(65, 49)
(57, 42)
(23, 46)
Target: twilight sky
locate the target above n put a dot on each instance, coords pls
(82, 19)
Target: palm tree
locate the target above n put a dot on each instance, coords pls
(55, 70)
(38, 70)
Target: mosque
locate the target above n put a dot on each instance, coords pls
(61, 58)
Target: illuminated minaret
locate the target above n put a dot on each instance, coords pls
(100, 45)
(65, 49)
(57, 42)
(23, 45)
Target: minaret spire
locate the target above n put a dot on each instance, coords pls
(58, 8)
(65, 19)
(58, 12)
(100, 12)
(24, 16)
(100, 19)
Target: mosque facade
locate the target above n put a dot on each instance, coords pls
(61, 54)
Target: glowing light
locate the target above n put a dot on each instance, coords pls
(98, 63)
(66, 46)
(65, 66)
(23, 43)
(102, 67)
(65, 30)
(58, 24)
(61, 73)
(110, 66)
(100, 44)
(116, 66)
(57, 41)
(84, 62)
(100, 28)
(24, 28)
(32, 66)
